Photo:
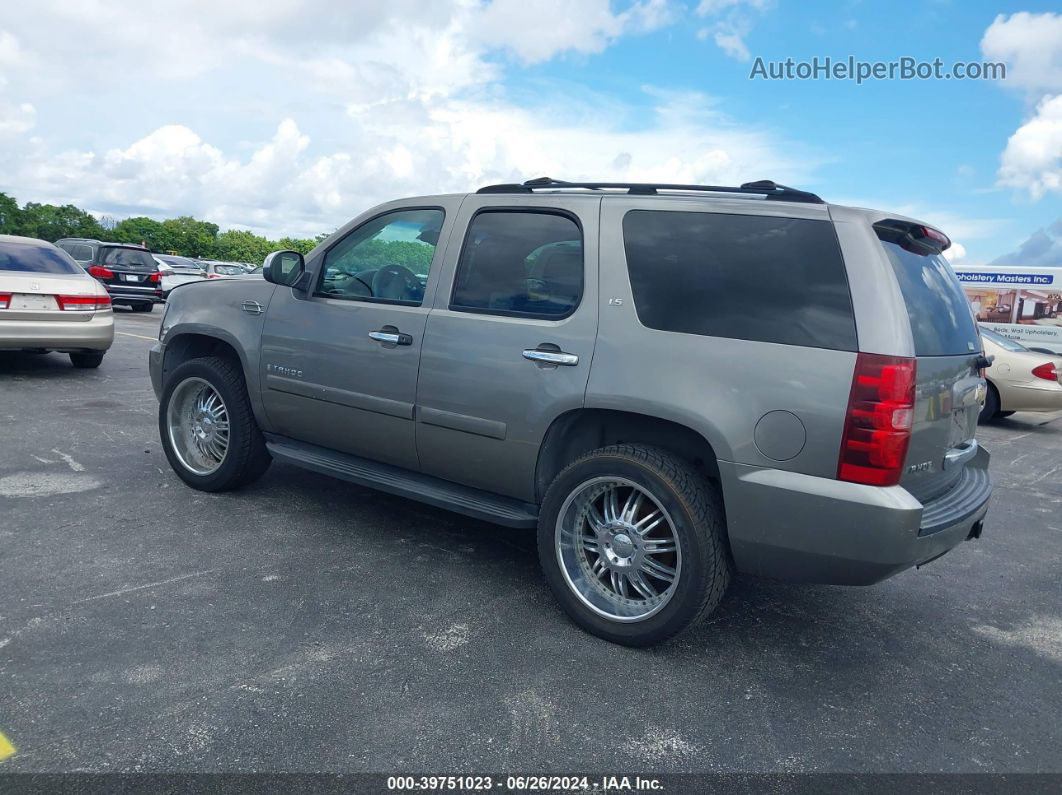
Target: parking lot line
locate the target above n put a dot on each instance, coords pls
(6, 748)
(138, 336)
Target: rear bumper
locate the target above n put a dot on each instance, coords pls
(810, 529)
(94, 334)
(122, 294)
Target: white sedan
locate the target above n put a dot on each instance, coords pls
(49, 303)
(1019, 379)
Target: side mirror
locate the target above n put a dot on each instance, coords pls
(284, 268)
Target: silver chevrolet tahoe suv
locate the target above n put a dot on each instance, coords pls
(673, 383)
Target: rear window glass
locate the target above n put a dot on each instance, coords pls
(740, 276)
(36, 259)
(229, 270)
(941, 321)
(128, 257)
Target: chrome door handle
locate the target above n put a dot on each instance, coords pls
(551, 357)
(251, 307)
(391, 337)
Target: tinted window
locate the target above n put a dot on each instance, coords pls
(135, 258)
(941, 321)
(386, 259)
(179, 263)
(82, 252)
(520, 263)
(36, 259)
(740, 276)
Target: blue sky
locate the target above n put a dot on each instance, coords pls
(290, 116)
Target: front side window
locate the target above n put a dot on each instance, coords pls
(387, 259)
(748, 277)
(520, 263)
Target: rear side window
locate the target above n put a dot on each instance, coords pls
(82, 252)
(36, 259)
(941, 321)
(744, 277)
(521, 263)
(128, 257)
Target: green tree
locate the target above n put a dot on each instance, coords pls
(241, 245)
(10, 215)
(188, 237)
(139, 230)
(302, 245)
(51, 222)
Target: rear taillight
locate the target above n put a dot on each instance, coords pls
(83, 303)
(877, 428)
(5, 300)
(213, 276)
(1046, 372)
(100, 272)
(155, 278)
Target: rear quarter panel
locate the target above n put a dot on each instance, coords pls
(719, 387)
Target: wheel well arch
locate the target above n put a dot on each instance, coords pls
(581, 430)
(193, 345)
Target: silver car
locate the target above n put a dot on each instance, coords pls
(49, 303)
(670, 382)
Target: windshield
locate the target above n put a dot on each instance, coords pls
(36, 259)
(1005, 343)
(941, 321)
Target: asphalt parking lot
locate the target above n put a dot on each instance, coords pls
(304, 624)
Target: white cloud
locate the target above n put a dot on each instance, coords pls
(1031, 46)
(16, 119)
(733, 22)
(537, 31)
(348, 104)
(955, 252)
(453, 145)
(1032, 159)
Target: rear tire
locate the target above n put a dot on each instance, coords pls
(244, 459)
(991, 407)
(612, 576)
(86, 361)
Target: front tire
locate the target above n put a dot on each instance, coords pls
(208, 430)
(631, 540)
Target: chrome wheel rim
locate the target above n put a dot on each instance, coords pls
(618, 549)
(197, 421)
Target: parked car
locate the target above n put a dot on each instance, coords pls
(1019, 379)
(177, 270)
(130, 273)
(670, 382)
(49, 303)
(222, 270)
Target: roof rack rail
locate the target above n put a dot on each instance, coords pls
(763, 187)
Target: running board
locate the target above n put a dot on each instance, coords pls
(395, 480)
